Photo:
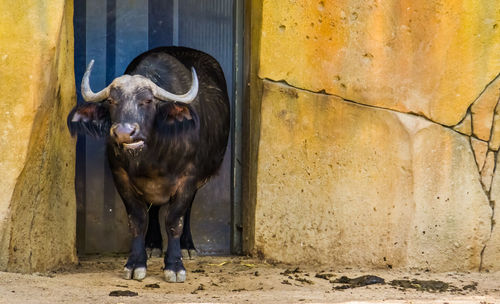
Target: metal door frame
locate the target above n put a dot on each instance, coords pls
(237, 125)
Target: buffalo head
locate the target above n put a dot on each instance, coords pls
(130, 109)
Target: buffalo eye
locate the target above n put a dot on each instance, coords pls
(146, 101)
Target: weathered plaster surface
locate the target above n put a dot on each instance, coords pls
(350, 185)
(378, 135)
(427, 57)
(452, 212)
(491, 254)
(37, 204)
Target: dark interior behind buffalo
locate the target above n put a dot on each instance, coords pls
(166, 122)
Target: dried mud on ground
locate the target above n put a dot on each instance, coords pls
(245, 280)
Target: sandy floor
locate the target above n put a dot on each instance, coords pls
(240, 280)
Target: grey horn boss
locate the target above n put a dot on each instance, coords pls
(89, 96)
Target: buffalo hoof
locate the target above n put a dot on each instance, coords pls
(175, 277)
(181, 276)
(127, 273)
(137, 274)
(189, 254)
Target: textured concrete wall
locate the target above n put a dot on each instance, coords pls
(427, 57)
(378, 134)
(37, 203)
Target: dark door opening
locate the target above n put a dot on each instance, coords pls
(114, 32)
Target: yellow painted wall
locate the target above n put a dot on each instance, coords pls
(378, 133)
(37, 203)
(340, 169)
(427, 57)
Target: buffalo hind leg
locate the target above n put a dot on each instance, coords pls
(187, 245)
(135, 268)
(174, 216)
(153, 236)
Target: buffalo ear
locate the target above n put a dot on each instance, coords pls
(89, 119)
(176, 119)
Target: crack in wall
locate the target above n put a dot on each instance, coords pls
(492, 219)
(487, 192)
(323, 92)
(492, 206)
(486, 87)
(496, 112)
(486, 188)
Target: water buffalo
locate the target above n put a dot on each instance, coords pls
(166, 121)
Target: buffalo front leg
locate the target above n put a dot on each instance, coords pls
(137, 219)
(173, 215)
(135, 268)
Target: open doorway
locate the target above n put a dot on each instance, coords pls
(113, 33)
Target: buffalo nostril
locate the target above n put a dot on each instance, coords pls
(135, 129)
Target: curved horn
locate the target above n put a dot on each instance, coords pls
(87, 93)
(185, 98)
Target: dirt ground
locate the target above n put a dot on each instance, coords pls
(245, 280)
